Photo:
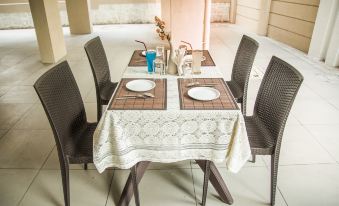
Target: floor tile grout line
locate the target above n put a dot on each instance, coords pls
(268, 168)
(20, 118)
(42, 67)
(330, 103)
(302, 164)
(321, 145)
(264, 161)
(227, 46)
(29, 186)
(292, 51)
(93, 169)
(291, 113)
(301, 56)
(4, 134)
(321, 124)
(110, 186)
(19, 62)
(6, 91)
(307, 164)
(282, 195)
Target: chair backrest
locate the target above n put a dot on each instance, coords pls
(62, 102)
(276, 95)
(243, 62)
(99, 64)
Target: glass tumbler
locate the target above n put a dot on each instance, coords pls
(150, 57)
(159, 66)
(188, 72)
(196, 61)
(160, 52)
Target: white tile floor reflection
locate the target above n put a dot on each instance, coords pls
(29, 168)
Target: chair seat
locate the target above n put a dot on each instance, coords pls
(236, 91)
(260, 139)
(107, 92)
(83, 151)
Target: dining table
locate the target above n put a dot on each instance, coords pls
(170, 126)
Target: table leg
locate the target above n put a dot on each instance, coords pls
(215, 178)
(127, 193)
(217, 182)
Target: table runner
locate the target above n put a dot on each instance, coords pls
(137, 60)
(126, 137)
(225, 101)
(156, 103)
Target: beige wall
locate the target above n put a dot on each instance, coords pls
(253, 15)
(16, 13)
(247, 14)
(288, 21)
(292, 22)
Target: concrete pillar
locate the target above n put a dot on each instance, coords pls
(332, 57)
(264, 15)
(166, 13)
(233, 11)
(186, 21)
(79, 19)
(253, 15)
(48, 30)
(323, 29)
(207, 24)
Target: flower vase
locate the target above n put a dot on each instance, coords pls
(171, 67)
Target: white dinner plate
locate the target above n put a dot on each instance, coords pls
(140, 85)
(203, 93)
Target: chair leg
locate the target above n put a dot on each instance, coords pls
(135, 185)
(253, 158)
(65, 183)
(274, 175)
(85, 166)
(206, 180)
(99, 111)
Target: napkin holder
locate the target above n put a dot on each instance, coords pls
(176, 61)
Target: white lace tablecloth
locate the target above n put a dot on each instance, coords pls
(126, 137)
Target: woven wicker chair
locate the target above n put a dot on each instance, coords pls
(241, 70)
(100, 69)
(61, 99)
(265, 127)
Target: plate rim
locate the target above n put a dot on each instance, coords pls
(146, 80)
(141, 53)
(210, 88)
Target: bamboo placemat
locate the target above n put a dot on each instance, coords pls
(224, 102)
(156, 103)
(137, 60)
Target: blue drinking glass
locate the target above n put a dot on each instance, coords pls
(150, 57)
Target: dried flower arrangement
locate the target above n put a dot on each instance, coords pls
(161, 29)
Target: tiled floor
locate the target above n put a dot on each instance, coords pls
(29, 168)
